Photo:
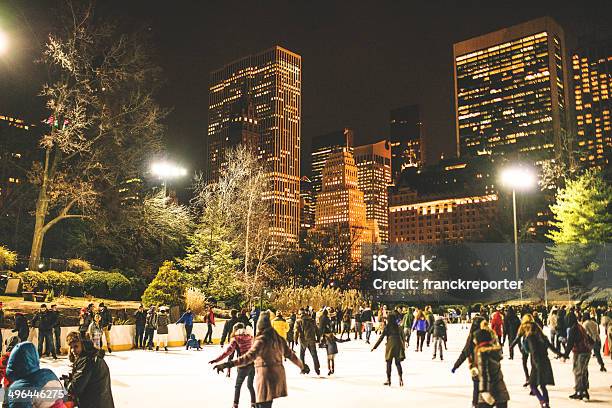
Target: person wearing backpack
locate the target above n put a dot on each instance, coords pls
(240, 343)
(581, 345)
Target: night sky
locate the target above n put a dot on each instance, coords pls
(360, 59)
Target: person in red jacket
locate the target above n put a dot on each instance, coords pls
(210, 321)
(497, 325)
(11, 342)
(241, 343)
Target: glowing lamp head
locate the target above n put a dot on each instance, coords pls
(518, 178)
(165, 170)
(4, 43)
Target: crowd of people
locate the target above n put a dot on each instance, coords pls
(492, 333)
(259, 357)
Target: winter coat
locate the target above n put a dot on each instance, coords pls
(267, 353)
(468, 349)
(367, 315)
(291, 322)
(325, 325)
(331, 343)
(227, 329)
(439, 328)
(592, 329)
(541, 370)
(497, 324)
(162, 323)
(241, 343)
(45, 321)
(394, 347)
(490, 376)
(407, 320)
(91, 381)
(193, 342)
(186, 319)
(21, 327)
(420, 325)
(306, 331)
(140, 318)
(430, 320)
(95, 333)
(151, 320)
(23, 369)
(281, 326)
(106, 320)
(210, 318)
(85, 320)
(3, 362)
(511, 324)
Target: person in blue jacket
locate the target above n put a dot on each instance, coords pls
(421, 325)
(187, 320)
(24, 372)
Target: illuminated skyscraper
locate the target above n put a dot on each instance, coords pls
(16, 141)
(272, 79)
(324, 146)
(340, 204)
(306, 204)
(374, 178)
(406, 134)
(592, 70)
(511, 92)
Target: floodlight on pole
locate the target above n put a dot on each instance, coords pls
(166, 171)
(517, 178)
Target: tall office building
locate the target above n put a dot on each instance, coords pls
(511, 92)
(306, 204)
(16, 141)
(272, 79)
(592, 70)
(373, 178)
(340, 204)
(324, 146)
(406, 135)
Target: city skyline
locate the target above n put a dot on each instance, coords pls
(363, 105)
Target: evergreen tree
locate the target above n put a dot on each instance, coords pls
(582, 221)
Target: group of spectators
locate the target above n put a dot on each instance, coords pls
(25, 384)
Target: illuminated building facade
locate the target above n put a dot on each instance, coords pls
(340, 204)
(272, 79)
(406, 135)
(424, 221)
(592, 71)
(511, 92)
(374, 178)
(306, 204)
(16, 142)
(323, 147)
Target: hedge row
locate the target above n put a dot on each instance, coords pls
(111, 285)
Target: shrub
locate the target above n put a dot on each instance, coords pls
(33, 281)
(94, 283)
(8, 258)
(291, 299)
(195, 300)
(166, 289)
(57, 282)
(78, 265)
(119, 287)
(74, 283)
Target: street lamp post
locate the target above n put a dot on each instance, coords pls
(517, 178)
(166, 171)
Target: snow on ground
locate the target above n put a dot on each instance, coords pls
(182, 378)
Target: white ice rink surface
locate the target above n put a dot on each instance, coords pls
(181, 378)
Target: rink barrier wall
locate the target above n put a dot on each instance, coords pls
(122, 337)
